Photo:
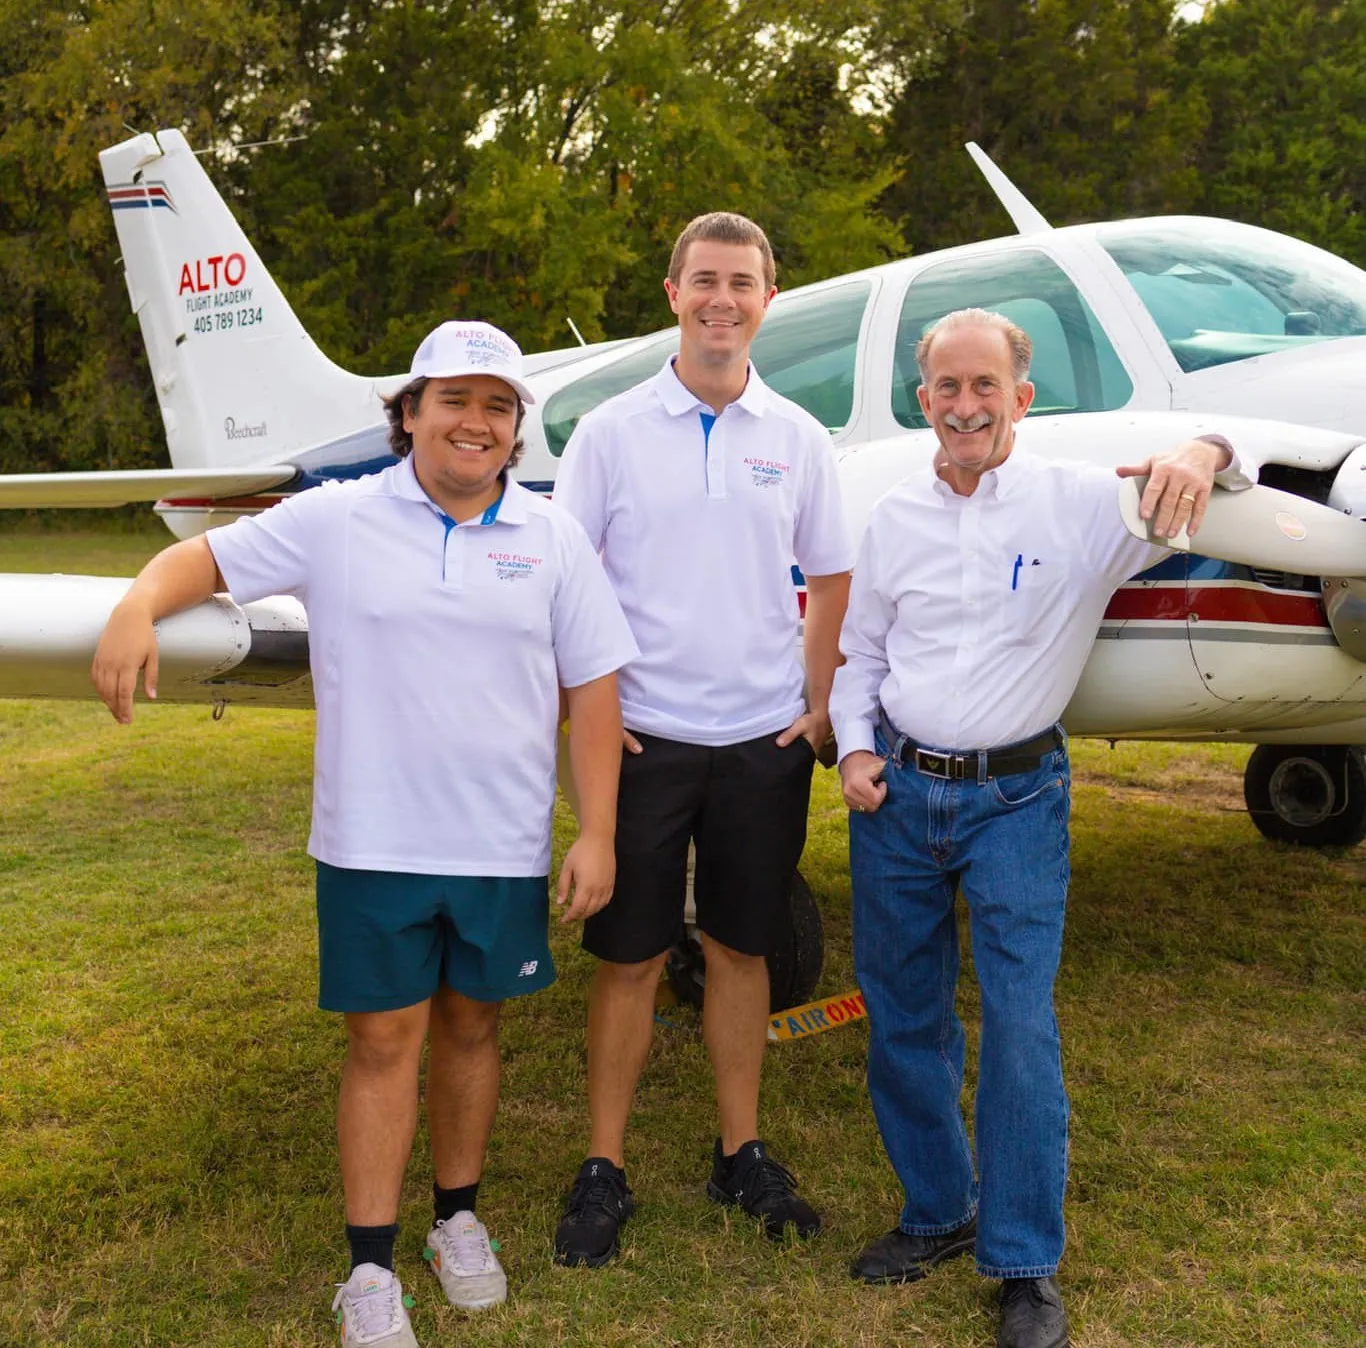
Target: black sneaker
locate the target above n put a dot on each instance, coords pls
(758, 1185)
(1031, 1314)
(593, 1213)
(897, 1257)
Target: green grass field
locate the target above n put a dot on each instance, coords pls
(167, 1163)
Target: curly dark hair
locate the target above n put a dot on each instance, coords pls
(409, 398)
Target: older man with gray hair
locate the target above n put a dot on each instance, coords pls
(976, 599)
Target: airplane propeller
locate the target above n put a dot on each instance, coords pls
(1263, 527)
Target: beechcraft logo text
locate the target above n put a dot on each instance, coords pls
(250, 431)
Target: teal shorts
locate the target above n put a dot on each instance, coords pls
(388, 940)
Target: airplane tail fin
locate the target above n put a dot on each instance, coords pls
(238, 379)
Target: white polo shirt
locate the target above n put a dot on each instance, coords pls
(437, 653)
(699, 527)
(970, 617)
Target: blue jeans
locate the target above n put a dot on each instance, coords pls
(1005, 843)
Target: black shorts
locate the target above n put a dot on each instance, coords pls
(744, 806)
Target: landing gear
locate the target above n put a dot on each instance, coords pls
(794, 964)
(1309, 794)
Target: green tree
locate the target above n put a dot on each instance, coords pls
(1285, 85)
(74, 392)
(532, 162)
(522, 162)
(1072, 98)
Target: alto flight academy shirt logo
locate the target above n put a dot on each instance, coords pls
(514, 565)
(767, 472)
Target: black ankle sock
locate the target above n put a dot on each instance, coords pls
(372, 1245)
(450, 1201)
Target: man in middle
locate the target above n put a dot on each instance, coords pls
(701, 487)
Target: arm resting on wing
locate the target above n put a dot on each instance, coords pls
(595, 758)
(184, 574)
(1179, 483)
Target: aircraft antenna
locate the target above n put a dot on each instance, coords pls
(573, 327)
(1026, 218)
(232, 148)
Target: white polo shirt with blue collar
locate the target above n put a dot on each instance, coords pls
(437, 653)
(699, 519)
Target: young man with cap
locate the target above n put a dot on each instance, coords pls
(701, 487)
(978, 592)
(447, 607)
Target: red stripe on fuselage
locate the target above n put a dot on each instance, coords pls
(1216, 603)
(221, 502)
(1207, 603)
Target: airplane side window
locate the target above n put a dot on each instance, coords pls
(1055, 379)
(807, 350)
(564, 407)
(1075, 369)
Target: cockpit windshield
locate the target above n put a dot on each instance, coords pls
(1222, 292)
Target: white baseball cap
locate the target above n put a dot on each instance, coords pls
(457, 348)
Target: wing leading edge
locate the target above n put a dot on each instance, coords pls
(83, 491)
(217, 651)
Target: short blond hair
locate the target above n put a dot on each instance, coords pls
(722, 227)
(1017, 339)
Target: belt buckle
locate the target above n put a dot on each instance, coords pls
(934, 765)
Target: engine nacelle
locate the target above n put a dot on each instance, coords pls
(1344, 598)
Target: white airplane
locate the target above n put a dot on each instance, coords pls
(1145, 332)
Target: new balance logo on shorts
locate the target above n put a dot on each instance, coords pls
(528, 969)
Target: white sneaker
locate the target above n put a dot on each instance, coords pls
(372, 1311)
(461, 1255)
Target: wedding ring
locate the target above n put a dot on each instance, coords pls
(1187, 496)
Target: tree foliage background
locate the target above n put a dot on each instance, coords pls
(523, 161)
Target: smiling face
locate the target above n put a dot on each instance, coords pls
(464, 429)
(720, 299)
(972, 400)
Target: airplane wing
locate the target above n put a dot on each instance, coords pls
(41, 491)
(217, 651)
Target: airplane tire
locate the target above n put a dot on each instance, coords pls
(794, 964)
(1311, 794)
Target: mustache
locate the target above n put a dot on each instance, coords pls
(967, 424)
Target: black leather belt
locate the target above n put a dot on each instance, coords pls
(956, 767)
